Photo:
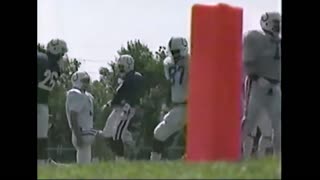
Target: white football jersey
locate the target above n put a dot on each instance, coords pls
(177, 73)
(264, 55)
(83, 104)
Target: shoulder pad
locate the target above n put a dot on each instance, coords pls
(167, 61)
(253, 35)
(74, 91)
(42, 57)
(90, 95)
(137, 74)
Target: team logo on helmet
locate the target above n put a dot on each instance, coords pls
(75, 77)
(129, 61)
(184, 42)
(265, 17)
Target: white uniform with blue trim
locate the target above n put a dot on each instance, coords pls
(82, 103)
(174, 120)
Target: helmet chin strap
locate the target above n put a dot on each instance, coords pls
(124, 74)
(55, 57)
(272, 34)
(176, 60)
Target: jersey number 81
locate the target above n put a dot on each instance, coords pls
(49, 81)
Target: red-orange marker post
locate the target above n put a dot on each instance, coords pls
(214, 102)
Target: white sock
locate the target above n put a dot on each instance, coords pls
(42, 162)
(247, 147)
(264, 144)
(120, 158)
(155, 156)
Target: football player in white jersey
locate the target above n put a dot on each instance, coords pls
(79, 110)
(262, 63)
(176, 70)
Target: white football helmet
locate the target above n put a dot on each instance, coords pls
(80, 80)
(57, 47)
(178, 47)
(125, 64)
(270, 23)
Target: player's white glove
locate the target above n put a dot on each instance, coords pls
(99, 133)
(164, 108)
(125, 109)
(109, 103)
(120, 81)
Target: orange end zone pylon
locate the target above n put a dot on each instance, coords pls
(214, 102)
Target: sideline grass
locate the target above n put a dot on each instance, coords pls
(262, 168)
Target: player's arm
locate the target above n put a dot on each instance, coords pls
(41, 65)
(166, 64)
(141, 86)
(121, 94)
(75, 105)
(250, 52)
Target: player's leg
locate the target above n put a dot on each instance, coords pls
(121, 134)
(265, 142)
(83, 154)
(172, 122)
(132, 134)
(247, 143)
(265, 93)
(42, 132)
(111, 123)
(256, 142)
(253, 111)
(109, 131)
(274, 110)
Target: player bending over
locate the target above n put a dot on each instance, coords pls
(176, 70)
(48, 72)
(79, 110)
(262, 62)
(125, 104)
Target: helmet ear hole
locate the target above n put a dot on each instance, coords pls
(266, 24)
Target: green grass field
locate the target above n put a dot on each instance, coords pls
(264, 168)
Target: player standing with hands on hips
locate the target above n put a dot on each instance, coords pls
(262, 62)
(176, 70)
(79, 111)
(49, 66)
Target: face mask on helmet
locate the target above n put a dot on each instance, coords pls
(85, 82)
(122, 70)
(62, 63)
(178, 48)
(270, 23)
(176, 54)
(81, 80)
(57, 47)
(276, 26)
(125, 65)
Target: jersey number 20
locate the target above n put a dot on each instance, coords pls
(173, 71)
(49, 81)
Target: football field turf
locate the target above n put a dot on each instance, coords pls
(263, 168)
